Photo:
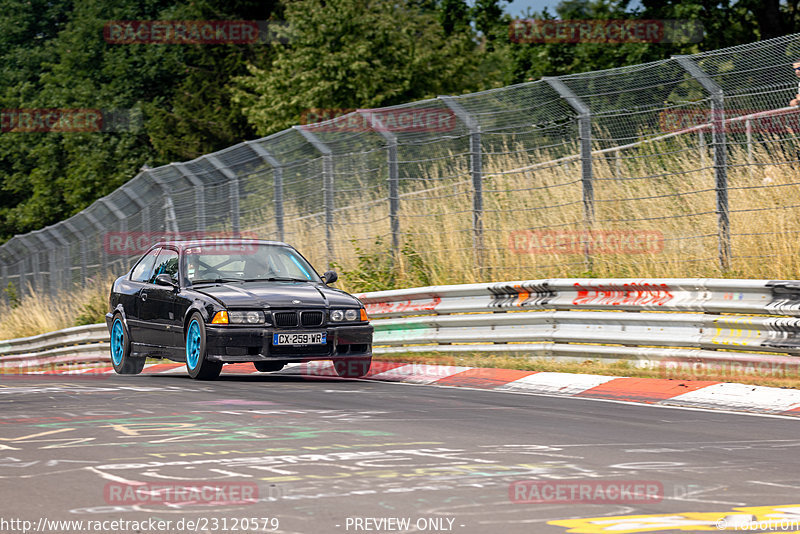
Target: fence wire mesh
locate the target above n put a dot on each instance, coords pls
(681, 167)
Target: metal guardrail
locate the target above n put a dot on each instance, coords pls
(680, 320)
(79, 344)
(674, 320)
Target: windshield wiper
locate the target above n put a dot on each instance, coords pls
(279, 279)
(216, 281)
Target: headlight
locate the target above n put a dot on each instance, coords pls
(338, 316)
(247, 317)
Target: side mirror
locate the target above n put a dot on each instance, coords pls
(330, 277)
(166, 280)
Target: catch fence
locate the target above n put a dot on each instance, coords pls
(682, 167)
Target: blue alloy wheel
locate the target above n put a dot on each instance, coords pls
(117, 342)
(197, 363)
(124, 362)
(193, 345)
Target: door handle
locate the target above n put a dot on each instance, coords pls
(144, 297)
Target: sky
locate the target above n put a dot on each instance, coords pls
(517, 8)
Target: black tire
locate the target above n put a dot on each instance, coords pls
(352, 367)
(197, 365)
(268, 367)
(121, 359)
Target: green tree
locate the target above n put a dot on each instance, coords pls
(357, 54)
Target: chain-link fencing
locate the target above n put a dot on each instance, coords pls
(682, 167)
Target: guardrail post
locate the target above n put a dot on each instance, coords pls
(277, 178)
(327, 185)
(393, 175)
(234, 192)
(720, 154)
(476, 170)
(199, 195)
(587, 179)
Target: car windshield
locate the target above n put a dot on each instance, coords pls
(246, 262)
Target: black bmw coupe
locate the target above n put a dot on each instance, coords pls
(211, 302)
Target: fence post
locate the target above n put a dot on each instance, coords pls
(199, 195)
(720, 154)
(748, 128)
(63, 277)
(277, 178)
(394, 181)
(587, 179)
(120, 215)
(33, 256)
(234, 192)
(3, 278)
(170, 220)
(144, 208)
(16, 258)
(51, 261)
(476, 170)
(69, 226)
(701, 142)
(103, 253)
(327, 185)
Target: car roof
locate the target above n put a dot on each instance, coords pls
(181, 245)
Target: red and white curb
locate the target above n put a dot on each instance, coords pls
(653, 391)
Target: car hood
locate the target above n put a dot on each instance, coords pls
(277, 295)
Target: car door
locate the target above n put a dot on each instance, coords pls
(139, 278)
(157, 303)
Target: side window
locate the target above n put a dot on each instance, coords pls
(141, 272)
(167, 263)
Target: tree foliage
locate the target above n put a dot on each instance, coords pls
(352, 54)
(338, 54)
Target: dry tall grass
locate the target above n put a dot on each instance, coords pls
(37, 313)
(667, 187)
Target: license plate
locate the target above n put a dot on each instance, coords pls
(300, 338)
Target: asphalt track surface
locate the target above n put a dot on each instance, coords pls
(325, 455)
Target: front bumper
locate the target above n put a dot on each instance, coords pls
(254, 344)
